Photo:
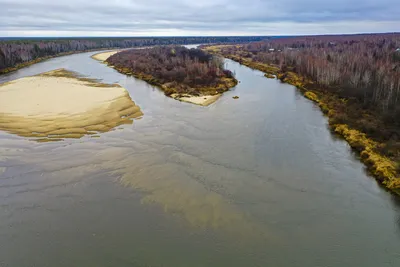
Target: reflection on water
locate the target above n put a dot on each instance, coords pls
(256, 181)
(396, 201)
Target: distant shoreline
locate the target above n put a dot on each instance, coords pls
(16, 53)
(41, 59)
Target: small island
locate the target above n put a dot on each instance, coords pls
(189, 75)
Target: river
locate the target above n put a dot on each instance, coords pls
(256, 181)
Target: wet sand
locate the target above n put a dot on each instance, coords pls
(103, 56)
(205, 100)
(58, 104)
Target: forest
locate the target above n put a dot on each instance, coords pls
(176, 69)
(355, 79)
(362, 68)
(14, 52)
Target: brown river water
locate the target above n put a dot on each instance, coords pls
(257, 181)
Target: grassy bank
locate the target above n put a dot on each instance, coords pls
(361, 128)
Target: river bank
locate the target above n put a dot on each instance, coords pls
(60, 104)
(381, 160)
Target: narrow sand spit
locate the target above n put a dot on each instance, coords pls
(103, 56)
(205, 100)
(58, 104)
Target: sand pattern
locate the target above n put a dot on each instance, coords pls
(60, 104)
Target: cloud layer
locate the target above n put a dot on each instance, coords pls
(188, 17)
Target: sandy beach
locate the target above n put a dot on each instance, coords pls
(103, 56)
(59, 104)
(197, 100)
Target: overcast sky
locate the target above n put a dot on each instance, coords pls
(196, 17)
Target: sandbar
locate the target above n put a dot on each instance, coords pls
(205, 100)
(103, 56)
(60, 104)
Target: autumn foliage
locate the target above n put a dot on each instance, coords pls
(16, 52)
(355, 79)
(176, 68)
(365, 67)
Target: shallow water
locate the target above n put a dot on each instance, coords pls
(257, 181)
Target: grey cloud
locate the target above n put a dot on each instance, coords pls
(203, 16)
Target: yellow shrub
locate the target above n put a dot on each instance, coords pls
(382, 167)
(312, 96)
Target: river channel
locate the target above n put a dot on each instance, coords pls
(254, 181)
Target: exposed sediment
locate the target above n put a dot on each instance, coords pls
(59, 104)
(103, 56)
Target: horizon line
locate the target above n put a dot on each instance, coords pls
(202, 36)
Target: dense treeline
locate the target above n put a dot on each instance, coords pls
(176, 68)
(355, 80)
(14, 52)
(364, 67)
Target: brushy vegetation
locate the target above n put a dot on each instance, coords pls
(176, 70)
(16, 54)
(365, 68)
(354, 79)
